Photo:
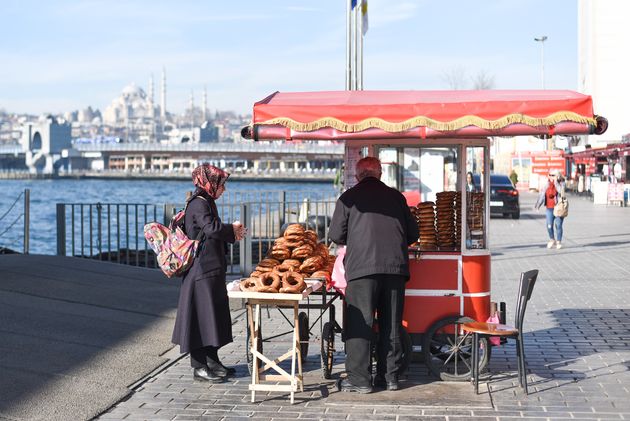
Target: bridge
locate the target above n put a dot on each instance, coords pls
(139, 157)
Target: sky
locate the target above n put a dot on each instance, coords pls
(64, 55)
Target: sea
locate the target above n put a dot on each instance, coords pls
(46, 194)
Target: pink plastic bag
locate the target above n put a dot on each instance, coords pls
(494, 340)
(338, 278)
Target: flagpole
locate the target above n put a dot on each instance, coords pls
(356, 16)
(359, 35)
(348, 45)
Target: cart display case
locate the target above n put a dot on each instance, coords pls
(427, 142)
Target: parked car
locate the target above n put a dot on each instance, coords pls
(504, 197)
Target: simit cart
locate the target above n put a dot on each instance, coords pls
(428, 141)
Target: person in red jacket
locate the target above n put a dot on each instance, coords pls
(549, 197)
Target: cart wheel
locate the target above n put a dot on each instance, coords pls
(327, 349)
(304, 334)
(259, 347)
(448, 352)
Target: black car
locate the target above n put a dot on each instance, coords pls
(503, 196)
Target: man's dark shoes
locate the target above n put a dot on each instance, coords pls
(382, 384)
(344, 385)
(208, 375)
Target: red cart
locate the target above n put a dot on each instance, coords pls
(428, 141)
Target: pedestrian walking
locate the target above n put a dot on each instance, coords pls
(203, 323)
(373, 221)
(471, 187)
(549, 197)
(513, 177)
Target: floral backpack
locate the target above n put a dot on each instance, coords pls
(175, 251)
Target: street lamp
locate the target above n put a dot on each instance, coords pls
(542, 59)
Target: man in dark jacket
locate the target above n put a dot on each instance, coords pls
(374, 222)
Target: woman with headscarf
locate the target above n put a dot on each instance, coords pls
(203, 323)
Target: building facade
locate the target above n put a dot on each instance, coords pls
(603, 61)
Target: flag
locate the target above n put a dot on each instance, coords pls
(353, 4)
(364, 15)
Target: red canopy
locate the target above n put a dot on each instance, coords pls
(391, 114)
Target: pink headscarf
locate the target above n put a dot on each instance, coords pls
(209, 178)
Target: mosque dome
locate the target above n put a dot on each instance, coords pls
(133, 103)
(133, 91)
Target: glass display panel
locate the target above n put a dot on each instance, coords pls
(427, 177)
(476, 229)
(389, 164)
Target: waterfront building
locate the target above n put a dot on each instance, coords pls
(603, 40)
(45, 143)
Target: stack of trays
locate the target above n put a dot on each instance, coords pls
(458, 219)
(445, 219)
(425, 214)
(474, 213)
(416, 217)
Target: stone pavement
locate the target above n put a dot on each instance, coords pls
(76, 333)
(577, 343)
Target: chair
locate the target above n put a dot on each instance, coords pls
(482, 329)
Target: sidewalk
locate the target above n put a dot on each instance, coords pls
(577, 343)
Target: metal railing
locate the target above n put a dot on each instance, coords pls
(114, 232)
(8, 220)
(266, 222)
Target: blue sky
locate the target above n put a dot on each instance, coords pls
(64, 55)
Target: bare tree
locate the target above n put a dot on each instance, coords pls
(483, 81)
(455, 77)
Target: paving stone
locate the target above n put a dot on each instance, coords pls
(353, 416)
(313, 416)
(577, 330)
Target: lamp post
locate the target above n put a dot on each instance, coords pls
(542, 57)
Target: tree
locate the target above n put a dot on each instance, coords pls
(483, 81)
(455, 77)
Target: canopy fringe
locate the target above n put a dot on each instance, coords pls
(422, 121)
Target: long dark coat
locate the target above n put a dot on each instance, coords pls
(203, 312)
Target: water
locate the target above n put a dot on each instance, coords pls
(45, 194)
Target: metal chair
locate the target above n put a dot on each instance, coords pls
(482, 329)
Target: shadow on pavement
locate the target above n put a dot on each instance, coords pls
(606, 244)
(558, 355)
(76, 334)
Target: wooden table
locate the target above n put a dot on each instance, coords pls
(289, 382)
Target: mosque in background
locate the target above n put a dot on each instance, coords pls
(134, 115)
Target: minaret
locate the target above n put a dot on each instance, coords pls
(204, 106)
(192, 110)
(151, 102)
(163, 97)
